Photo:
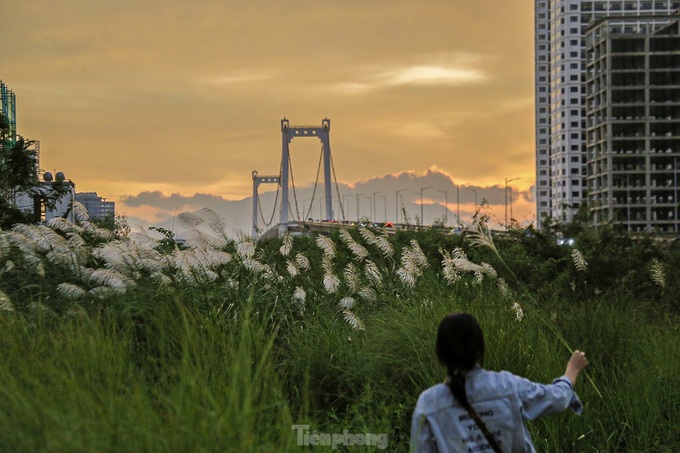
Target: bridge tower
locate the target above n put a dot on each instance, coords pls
(257, 180)
(288, 133)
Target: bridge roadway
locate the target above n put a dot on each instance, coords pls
(314, 228)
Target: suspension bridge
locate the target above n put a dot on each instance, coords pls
(290, 218)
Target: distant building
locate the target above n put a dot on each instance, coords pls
(633, 121)
(97, 207)
(8, 103)
(34, 201)
(560, 71)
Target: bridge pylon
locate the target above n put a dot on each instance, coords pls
(257, 180)
(288, 133)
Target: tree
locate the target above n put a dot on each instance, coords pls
(19, 174)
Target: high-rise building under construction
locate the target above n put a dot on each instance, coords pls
(560, 93)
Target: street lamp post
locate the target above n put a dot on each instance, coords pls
(370, 208)
(458, 204)
(374, 194)
(396, 204)
(474, 189)
(422, 189)
(384, 197)
(358, 195)
(345, 205)
(446, 198)
(506, 199)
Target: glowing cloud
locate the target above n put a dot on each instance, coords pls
(433, 75)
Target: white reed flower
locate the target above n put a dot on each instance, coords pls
(367, 234)
(658, 273)
(359, 251)
(8, 267)
(490, 271)
(368, 294)
(65, 260)
(292, 268)
(347, 303)
(467, 266)
(210, 257)
(384, 245)
(479, 236)
(299, 294)
(381, 242)
(245, 248)
(479, 276)
(412, 262)
(406, 276)
(327, 264)
(287, 245)
(76, 241)
(73, 292)
(43, 237)
(353, 320)
(270, 275)
(161, 278)
(373, 273)
(519, 313)
(326, 244)
(502, 286)
(107, 277)
(302, 262)
(104, 292)
(80, 213)
(5, 302)
(253, 265)
(352, 279)
(580, 262)
(417, 254)
(449, 267)
(331, 283)
(62, 225)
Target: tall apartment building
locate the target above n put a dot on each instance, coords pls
(97, 207)
(560, 28)
(633, 121)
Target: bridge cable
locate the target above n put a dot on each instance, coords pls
(316, 184)
(276, 200)
(337, 189)
(292, 180)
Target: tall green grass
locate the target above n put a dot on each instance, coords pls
(172, 380)
(129, 346)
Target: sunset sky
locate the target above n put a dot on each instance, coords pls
(167, 106)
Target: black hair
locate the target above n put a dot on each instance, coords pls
(460, 346)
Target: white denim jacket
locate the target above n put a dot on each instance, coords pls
(502, 400)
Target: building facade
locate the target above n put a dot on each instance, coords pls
(8, 102)
(97, 207)
(560, 45)
(633, 122)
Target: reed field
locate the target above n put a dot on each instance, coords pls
(136, 343)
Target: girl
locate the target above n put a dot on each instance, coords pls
(476, 410)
